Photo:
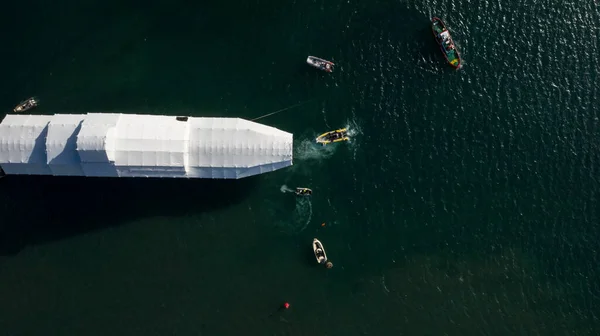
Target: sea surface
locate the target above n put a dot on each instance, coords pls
(466, 202)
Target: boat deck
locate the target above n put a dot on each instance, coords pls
(452, 55)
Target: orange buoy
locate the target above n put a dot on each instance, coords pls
(286, 305)
(323, 224)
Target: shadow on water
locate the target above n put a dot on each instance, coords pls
(41, 209)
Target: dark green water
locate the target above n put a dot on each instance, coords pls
(465, 204)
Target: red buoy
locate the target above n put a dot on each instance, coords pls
(286, 305)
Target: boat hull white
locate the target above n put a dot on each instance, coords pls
(320, 63)
(319, 251)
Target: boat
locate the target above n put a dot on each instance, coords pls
(319, 251)
(320, 63)
(303, 192)
(25, 105)
(333, 136)
(320, 254)
(99, 145)
(444, 40)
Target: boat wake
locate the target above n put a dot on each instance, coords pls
(300, 218)
(309, 150)
(285, 189)
(353, 129)
(304, 206)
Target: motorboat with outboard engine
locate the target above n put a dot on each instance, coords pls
(303, 192)
(25, 105)
(319, 251)
(320, 63)
(444, 40)
(333, 136)
(320, 254)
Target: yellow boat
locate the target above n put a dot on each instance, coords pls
(333, 136)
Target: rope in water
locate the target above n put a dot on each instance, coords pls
(284, 109)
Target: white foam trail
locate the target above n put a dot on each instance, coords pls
(354, 131)
(383, 284)
(354, 128)
(285, 189)
(299, 219)
(309, 215)
(309, 150)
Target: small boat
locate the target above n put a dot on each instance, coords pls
(319, 251)
(333, 136)
(320, 254)
(444, 40)
(320, 63)
(26, 105)
(303, 192)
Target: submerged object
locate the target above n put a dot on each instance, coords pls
(25, 105)
(320, 63)
(444, 40)
(130, 145)
(303, 192)
(333, 136)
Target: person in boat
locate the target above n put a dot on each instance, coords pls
(319, 253)
(304, 191)
(28, 103)
(336, 135)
